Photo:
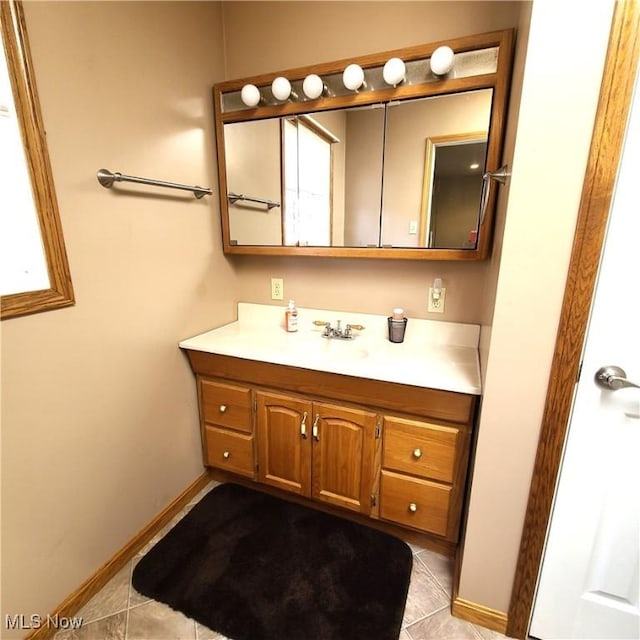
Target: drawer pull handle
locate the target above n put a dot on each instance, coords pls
(223, 408)
(413, 507)
(417, 454)
(303, 426)
(314, 429)
(226, 455)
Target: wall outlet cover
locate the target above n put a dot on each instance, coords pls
(277, 289)
(436, 306)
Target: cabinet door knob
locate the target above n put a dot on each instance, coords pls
(223, 408)
(417, 453)
(226, 455)
(413, 507)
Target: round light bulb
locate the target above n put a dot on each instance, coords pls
(394, 71)
(441, 61)
(250, 95)
(353, 77)
(313, 86)
(281, 88)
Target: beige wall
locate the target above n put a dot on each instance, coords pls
(99, 418)
(554, 125)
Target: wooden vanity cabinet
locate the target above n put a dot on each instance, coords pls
(395, 453)
(316, 449)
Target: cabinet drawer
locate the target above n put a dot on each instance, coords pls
(420, 448)
(414, 502)
(229, 450)
(226, 405)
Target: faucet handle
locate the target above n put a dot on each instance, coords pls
(327, 327)
(357, 327)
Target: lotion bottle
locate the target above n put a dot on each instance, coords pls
(291, 317)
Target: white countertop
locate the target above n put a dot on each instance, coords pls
(437, 355)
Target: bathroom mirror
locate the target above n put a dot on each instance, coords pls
(322, 173)
(378, 172)
(425, 202)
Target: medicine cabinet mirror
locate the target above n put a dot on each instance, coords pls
(383, 171)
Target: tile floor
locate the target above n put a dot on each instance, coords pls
(118, 612)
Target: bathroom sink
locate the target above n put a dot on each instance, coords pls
(339, 349)
(295, 347)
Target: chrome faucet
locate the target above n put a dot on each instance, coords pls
(338, 332)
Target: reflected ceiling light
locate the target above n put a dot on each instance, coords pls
(353, 77)
(281, 88)
(250, 95)
(475, 165)
(442, 61)
(313, 87)
(394, 71)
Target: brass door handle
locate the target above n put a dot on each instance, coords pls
(314, 429)
(417, 454)
(223, 408)
(226, 455)
(303, 426)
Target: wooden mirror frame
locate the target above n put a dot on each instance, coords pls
(499, 82)
(60, 291)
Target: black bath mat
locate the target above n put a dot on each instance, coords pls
(254, 567)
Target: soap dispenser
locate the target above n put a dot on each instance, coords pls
(291, 317)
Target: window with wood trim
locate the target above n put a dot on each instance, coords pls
(35, 270)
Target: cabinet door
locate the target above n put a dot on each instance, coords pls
(343, 452)
(284, 442)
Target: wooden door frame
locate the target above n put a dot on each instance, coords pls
(602, 168)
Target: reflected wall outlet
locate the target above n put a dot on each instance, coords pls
(277, 289)
(436, 303)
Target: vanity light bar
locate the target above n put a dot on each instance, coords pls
(444, 63)
(394, 73)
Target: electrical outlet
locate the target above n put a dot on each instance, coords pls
(277, 289)
(436, 304)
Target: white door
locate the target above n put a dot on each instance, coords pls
(588, 586)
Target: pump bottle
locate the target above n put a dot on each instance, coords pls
(291, 317)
